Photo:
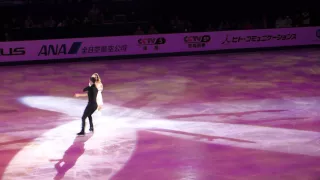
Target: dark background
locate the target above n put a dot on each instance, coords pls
(123, 17)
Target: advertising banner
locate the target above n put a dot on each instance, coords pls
(156, 44)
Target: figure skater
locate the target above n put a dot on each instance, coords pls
(91, 92)
(99, 85)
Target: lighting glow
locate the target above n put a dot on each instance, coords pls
(114, 140)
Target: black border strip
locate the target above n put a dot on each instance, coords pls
(123, 57)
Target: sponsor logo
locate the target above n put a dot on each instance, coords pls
(104, 49)
(19, 51)
(59, 49)
(247, 39)
(63, 49)
(197, 41)
(151, 43)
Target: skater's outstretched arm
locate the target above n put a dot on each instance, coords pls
(80, 95)
(86, 89)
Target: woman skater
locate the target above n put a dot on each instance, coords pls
(99, 86)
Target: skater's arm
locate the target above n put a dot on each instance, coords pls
(86, 89)
(81, 95)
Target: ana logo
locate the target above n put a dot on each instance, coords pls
(58, 49)
(318, 33)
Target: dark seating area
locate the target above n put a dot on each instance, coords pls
(57, 19)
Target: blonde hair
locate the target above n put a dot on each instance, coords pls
(97, 77)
